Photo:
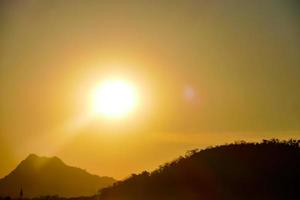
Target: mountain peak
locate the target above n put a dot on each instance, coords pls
(34, 162)
(34, 157)
(39, 176)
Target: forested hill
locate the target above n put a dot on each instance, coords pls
(266, 170)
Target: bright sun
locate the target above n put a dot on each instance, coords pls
(114, 98)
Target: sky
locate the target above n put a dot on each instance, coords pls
(207, 73)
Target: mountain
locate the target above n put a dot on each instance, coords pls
(261, 171)
(39, 176)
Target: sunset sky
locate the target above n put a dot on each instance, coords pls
(205, 73)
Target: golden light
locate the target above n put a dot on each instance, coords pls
(114, 98)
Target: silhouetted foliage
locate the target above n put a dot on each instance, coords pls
(266, 170)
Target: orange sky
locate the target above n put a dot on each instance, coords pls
(207, 72)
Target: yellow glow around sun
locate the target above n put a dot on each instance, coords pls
(114, 98)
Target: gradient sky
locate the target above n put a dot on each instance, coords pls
(208, 72)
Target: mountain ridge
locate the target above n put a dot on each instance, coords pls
(268, 170)
(40, 176)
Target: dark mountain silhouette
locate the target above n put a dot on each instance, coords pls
(39, 176)
(260, 171)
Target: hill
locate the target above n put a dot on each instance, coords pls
(39, 176)
(266, 170)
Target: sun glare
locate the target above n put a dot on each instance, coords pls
(114, 98)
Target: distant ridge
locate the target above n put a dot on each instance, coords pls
(269, 170)
(40, 176)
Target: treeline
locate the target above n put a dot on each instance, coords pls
(266, 170)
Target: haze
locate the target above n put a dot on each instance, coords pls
(208, 72)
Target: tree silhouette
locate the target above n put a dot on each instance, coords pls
(21, 193)
(266, 170)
